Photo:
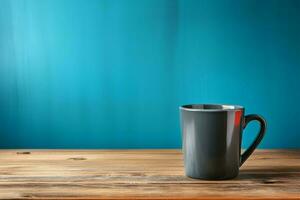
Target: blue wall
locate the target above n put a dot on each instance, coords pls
(112, 73)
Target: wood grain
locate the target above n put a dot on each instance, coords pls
(140, 174)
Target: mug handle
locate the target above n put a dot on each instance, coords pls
(259, 137)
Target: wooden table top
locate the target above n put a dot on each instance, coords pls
(140, 174)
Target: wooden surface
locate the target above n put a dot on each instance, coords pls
(140, 174)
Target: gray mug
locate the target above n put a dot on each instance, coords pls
(212, 137)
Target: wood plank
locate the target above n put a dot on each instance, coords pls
(140, 174)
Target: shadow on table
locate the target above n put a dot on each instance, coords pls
(269, 175)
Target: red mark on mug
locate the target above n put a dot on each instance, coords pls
(237, 118)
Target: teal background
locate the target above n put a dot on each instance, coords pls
(112, 73)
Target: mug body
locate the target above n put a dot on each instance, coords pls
(211, 140)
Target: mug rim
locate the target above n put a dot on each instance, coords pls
(225, 107)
